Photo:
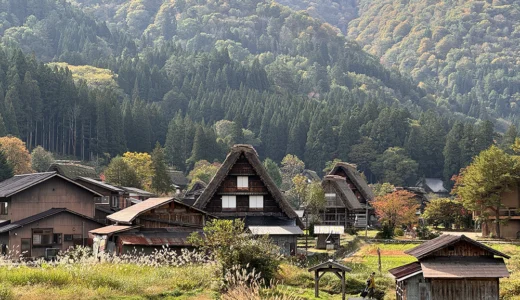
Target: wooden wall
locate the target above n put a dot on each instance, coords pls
(53, 193)
(462, 249)
(64, 223)
(464, 289)
(169, 213)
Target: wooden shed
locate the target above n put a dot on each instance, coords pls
(451, 267)
(328, 236)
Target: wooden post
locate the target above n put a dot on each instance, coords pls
(343, 285)
(379, 259)
(316, 284)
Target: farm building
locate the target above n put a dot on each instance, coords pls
(451, 267)
(328, 236)
(43, 211)
(194, 192)
(178, 180)
(341, 203)
(149, 225)
(359, 187)
(242, 189)
(509, 213)
(433, 186)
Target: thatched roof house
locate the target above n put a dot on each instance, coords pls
(73, 170)
(242, 188)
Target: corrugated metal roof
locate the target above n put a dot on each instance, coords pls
(404, 271)
(325, 229)
(111, 229)
(40, 216)
(464, 267)
(137, 191)
(445, 240)
(127, 215)
(101, 184)
(275, 230)
(176, 238)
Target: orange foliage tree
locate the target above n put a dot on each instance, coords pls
(396, 209)
(16, 154)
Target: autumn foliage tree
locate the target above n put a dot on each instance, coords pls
(141, 163)
(480, 186)
(396, 209)
(16, 154)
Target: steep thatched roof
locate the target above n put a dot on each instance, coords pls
(356, 178)
(311, 175)
(343, 191)
(252, 157)
(178, 178)
(73, 170)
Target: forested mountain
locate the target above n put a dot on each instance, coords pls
(465, 52)
(198, 76)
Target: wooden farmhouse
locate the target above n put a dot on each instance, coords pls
(194, 192)
(509, 213)
(178, 180)
(44, 213)
(341, 203)
(359, 187)
(434, 186)
(151, 224)
(451, 268)
(242, 189)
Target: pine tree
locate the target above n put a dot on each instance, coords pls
(452, 153)
(274, 171)
(6, 171)
(161, 181)
(509, 139)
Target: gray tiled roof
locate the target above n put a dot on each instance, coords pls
(19, 183)
(42, 215)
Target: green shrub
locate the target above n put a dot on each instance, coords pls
(386, 233)
(398, 232)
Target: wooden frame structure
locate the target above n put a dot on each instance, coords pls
(332, 267)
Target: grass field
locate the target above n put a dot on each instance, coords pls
(137, 281)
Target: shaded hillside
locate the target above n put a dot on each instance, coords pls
(466, 52)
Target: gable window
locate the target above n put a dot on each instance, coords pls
(256, 202)
(242, 182)
(3, 208)
(330, 198)
(42, 237)
(229, 202)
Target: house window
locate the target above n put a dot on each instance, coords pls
(331, 199)
(242, 182)
(229, 202)
(42, 237)
(68, 238)
(256, 202)
(115, 201)
(56, 239)
(3, 208)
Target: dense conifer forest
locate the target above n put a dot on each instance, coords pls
(199, 76)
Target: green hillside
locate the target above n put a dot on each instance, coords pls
(465, 52)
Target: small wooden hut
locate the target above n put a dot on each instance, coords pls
(451, 267)
(328, 236)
